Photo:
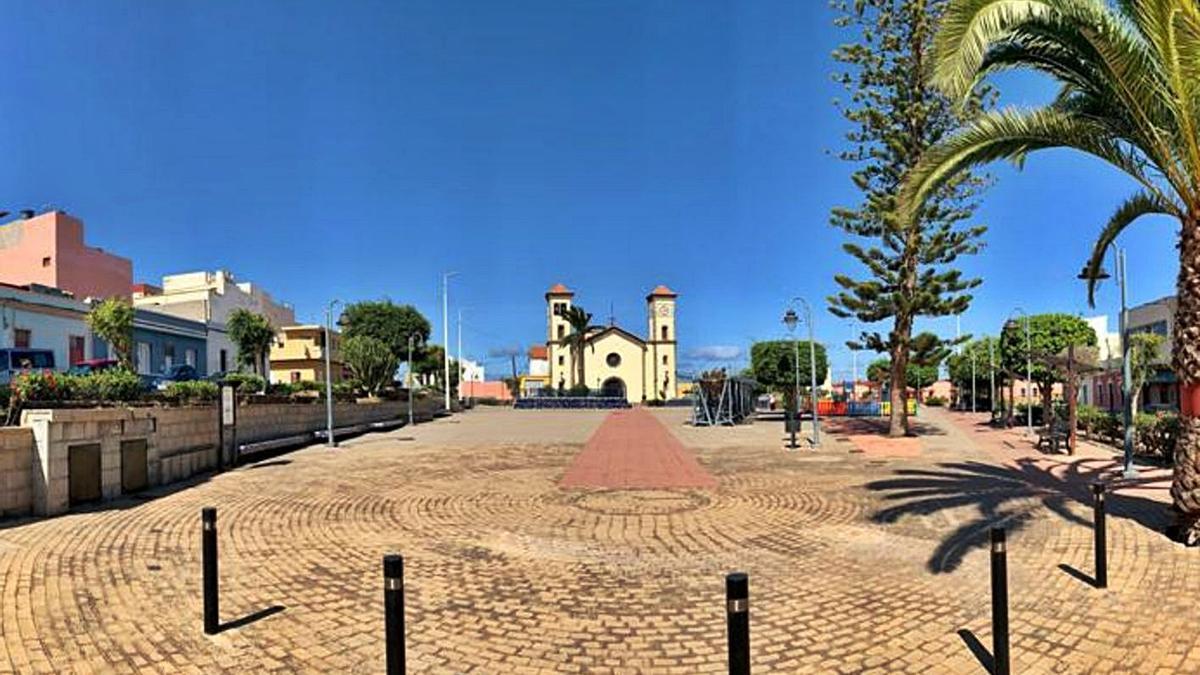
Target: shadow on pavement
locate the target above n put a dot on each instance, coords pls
(1078, 574)
(1006, 495)
(250, 618)
(980, 652)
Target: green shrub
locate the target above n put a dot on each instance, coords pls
(345, 388)
(246, 383)
(935, 401)
(41, 387)
(192, 392)
(281, 389)
(308, 385)
(1156, 435)
(116, 384)
(579, 390)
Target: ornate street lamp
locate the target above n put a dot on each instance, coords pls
(1100, 274)
(790, 318)
(1011, 324)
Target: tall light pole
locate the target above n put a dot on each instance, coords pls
(409, 377)
(992, 377)
(330, 441)
(446, 332)
(1126, 361)
(973, 408)
(461, 368)
(790, 319)
(1028, 365)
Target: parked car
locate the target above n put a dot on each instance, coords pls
(92, 366)
(13, 362)
(180, 372)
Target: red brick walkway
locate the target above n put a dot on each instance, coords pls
(632, 449)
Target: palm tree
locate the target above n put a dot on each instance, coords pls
(580, 321)
(1130, 75)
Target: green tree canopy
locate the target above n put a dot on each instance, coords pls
(985, 352)
(895, 117)
(1144, 361)
(112, 321)
(371, 361)
(1050, 334)
(253, 335)
(774, 365)
(387, 322)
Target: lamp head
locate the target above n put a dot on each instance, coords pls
(1099, 274)
(790, 319)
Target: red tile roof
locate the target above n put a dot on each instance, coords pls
(661, 290)
(538, 352)
(558, 289)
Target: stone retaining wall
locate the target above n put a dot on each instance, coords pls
(16, 454)
(179, 443)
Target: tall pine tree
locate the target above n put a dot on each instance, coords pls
(896, 117)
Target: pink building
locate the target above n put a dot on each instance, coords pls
(48, 249)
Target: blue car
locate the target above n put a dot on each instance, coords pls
(180, 372)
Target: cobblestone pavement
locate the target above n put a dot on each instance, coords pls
(857, 563)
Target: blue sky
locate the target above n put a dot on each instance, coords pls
(356, 150)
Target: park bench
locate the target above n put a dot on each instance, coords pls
(1052, 436)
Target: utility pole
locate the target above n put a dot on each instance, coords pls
(409, 377)
(461, 367)
(991, 377)
(973, 408)
(446, 333)
(328, 347)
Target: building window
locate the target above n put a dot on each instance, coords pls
(560, 360)
(168, 355)
(189, 357)
(142, 358)
(46, 261)
(664, 359)
(75, 349)
(560, 308)
(224, 361)
(613, 360)
(562, 332)
(664, 333)
(21, 338)
(295, 376)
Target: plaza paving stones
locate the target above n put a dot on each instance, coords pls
(856, 563)
(633, 450)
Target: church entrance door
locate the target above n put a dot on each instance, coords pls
(614, 387)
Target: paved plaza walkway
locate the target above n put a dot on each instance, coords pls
(858, 561)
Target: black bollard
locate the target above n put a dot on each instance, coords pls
(1101, 535)
(737, 607)
(208, 544)
(393, 611)
(1000, 657)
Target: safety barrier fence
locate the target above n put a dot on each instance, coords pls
(737, 595)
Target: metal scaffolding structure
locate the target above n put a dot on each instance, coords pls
(723, 401)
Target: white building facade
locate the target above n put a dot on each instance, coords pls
(211, 297)
(41, 318)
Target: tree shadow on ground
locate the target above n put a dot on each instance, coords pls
(1007, 496)
(879, 426)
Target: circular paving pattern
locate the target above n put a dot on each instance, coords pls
(505, 572)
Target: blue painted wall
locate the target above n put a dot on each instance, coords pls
(165, 334)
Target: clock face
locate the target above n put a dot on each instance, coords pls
(664, 310)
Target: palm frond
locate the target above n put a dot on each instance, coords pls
(1012, 134)
(1140, 204)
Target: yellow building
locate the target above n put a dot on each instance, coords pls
(299, 355)
(615, 361)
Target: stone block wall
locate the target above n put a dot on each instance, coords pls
(180, 443)
(16, 454)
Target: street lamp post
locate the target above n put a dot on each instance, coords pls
(446, 333)
(1126, 361)
(1028, 364)
(330, 441)
(410, 381)
(790, 318)
(991, 378)
(973, 408)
